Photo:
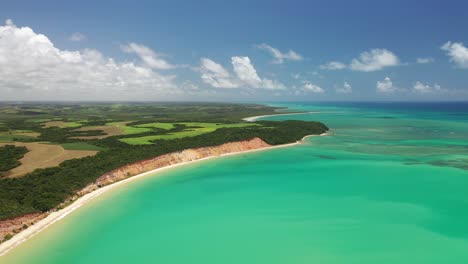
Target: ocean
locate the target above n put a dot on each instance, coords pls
(389, 185)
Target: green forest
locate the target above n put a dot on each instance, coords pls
(9, 157)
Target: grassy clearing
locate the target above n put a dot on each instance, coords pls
(41, 155)
(11, 135)
(192, 130)
(62, 124)
(116, 129)
(165, 126)
(81, 146)
(128, 130)
(9, 110)
(39, 120)
(110, 129)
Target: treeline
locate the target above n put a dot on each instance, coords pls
(64, 135)
(9, 157)
(99, 113)
(44, 189)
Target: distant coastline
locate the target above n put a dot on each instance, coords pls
(254, 118)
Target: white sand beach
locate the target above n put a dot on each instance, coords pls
(254, 118)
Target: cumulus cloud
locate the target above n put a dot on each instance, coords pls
(279, 56)
(374, 60)
(457, 52)
(424, 60)
(77, 37)
(313, 88)
(385, 86)
(333, 65)
(216, 75)
(149, 56)
(245, 71)
(426, 88)
(346, 89)
(31, 67)
(246, 75)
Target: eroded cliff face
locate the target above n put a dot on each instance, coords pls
(175, 158)
(12, 226)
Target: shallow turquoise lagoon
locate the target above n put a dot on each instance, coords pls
(390, 185)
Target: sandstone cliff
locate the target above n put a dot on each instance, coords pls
(179, 157)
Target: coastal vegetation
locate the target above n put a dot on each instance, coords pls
(9, 157)
(188, 130)
(165, 128)
(80, 146)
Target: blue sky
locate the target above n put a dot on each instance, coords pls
(220, 50)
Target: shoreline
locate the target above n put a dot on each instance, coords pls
(254, 118)
(56, 216)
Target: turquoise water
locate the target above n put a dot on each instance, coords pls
(389, 186)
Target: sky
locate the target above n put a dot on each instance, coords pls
(330, 50)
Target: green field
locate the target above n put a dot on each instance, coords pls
(165, 126)
(39, 120)
(11, 135)
(63, 124)
(73, 124)
(191, 130)
(128, 130)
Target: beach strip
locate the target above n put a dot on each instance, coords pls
(254, 118)
(55, 216)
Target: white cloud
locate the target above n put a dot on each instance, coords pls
(216, 75)
(426, 88)
(77, 37)
(374, 60)
(424, 60)
(457, 52)
(313, 88)
(279, 56)
(272, 84)
(333, 65)
(246, 75)
(385, 86)
(245, 71)
(346, 89)
(149, 56)
(31, 67)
